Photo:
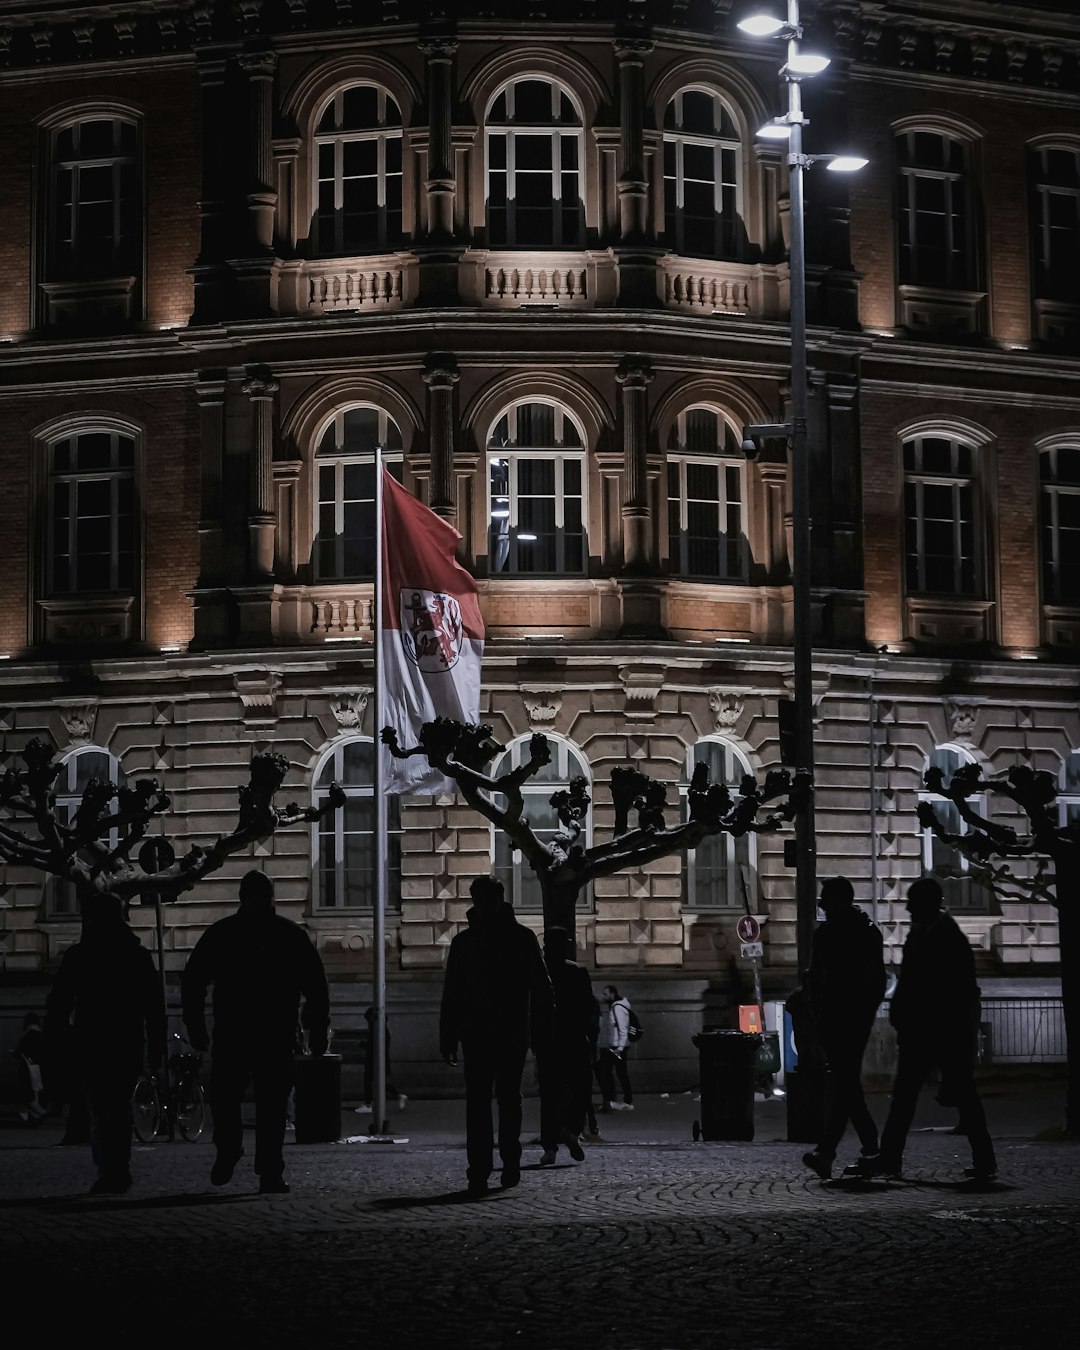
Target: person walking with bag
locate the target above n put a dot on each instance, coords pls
(611, 1048)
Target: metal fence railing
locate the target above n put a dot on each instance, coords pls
(1022, 1031)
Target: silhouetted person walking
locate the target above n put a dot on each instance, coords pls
(108, 991)
(496, 1002)
(566, 1070)
(935, 1011)
(611, 1046)
(261, 966)
(846, 983)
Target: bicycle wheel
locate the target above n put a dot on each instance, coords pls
(190, 1108)
(146, 1110)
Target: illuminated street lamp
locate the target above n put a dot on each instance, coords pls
(798, 66)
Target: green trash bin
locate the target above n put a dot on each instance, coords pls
(317, 1080)
(728, 1064)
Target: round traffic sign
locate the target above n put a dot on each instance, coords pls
(748, 928)
(156, 854)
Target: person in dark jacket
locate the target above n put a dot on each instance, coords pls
(496, 1002)
(107, 991)
(935, 1011)
(261, 966)
(845, 983)
(566, 1070)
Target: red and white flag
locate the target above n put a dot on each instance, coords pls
(432, 634)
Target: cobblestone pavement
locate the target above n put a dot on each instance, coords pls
(653, 1243)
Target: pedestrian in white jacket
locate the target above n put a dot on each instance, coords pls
(611, 1048)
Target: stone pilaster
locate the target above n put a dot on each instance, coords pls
(633, 187)
(211, 395)
(261, 516)
(210, 273)
(440, 376)
(440, 184)
(259, 67)
(633, 378)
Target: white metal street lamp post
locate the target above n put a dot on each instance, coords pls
(797, 67)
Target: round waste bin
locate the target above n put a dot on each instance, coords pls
(728, 1063)
(317, 1079)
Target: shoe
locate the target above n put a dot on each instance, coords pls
(112, 1185)
(591, 1136)
(363, 1109)
(223, 1168)
(987, 1172)
(476, 1188)
(547, 1157)
(402, 1101)
(874, 1167)
(622, 1106)
(273, 1186)
(819, 1163)
(511, 1176)
(573, 1146)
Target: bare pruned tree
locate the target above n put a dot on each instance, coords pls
(92, 850)
(1050, 854)
(563, 864)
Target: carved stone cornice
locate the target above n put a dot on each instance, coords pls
(961, 715)
(258, 694)
(79, 720)
(726, 706)
(349, 708)
(641, 687)
(542, 705)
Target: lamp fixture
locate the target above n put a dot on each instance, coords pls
(845, 163)
(762, 25)
(805, 63)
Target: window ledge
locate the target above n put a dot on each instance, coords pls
(374, 283)
(537, 278)
(933, 311)
(707, 286)
(88, 619)
(946, 621)
(1057, 321)
(71, 303)
(1061, 625)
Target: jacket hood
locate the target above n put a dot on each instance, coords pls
(493, 916)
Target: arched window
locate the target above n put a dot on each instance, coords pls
(358, 172)
(517, 876)
(76, 770)
(534, 144)
(344, 498)
(94, 211)
(941, 860)
(702, 178)
(719, 873)
(936, 210)
(91, 512)
(706, 472)
(536, 468)
(1055, 223)
(942, 529)
(1059, 470)
(343, 842)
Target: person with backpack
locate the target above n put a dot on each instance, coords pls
(611, 1045)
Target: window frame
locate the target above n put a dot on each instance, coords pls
(736, 871)
(1045, 283)
(962, 258)
(381, 134)
(116, 161)
(957, 889)
(918, 479)
(675, 220)
(512, 873)
(339, 459)
(558, 132)
(61, 900)
(1051, 492)
(114, 475)
(680, 457)
(334, 758)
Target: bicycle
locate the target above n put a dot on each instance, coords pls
(177, 1104)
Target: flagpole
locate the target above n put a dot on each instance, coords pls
(380, 1125)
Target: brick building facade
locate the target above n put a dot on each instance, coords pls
(537, 253)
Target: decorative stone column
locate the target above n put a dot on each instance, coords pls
(440, 185)
(261, 196)
(634, 378)
(633, 188)
(211, 395)
(261, 515)
(210, 273)
(440, 376)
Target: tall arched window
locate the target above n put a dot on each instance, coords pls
(343, 546)
(76, 770)
(343, 842)
(535, 145)
(94, 213)
(517, 876)
(942, 528)
(1059, 470)
(91, 513)
(358, 172)
(702, 179)
(706, 472)
(536, 468)
(719, 873)
(942, 861)
(1055, 212)
(936, 211)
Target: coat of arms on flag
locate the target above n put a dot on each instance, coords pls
(431, 629)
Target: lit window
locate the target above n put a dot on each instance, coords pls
(343, 841)
(1059, 469)
(1055, 184)
(936, 225)
(941, 543)
(534, 154)
(536, 466)
(706, 498)
(91, 513)
(522, 887)
(702, 189)
(94, 211)
(719, 873)
(76, 771)
(942, 861)
(344, 530)
(358, 172)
